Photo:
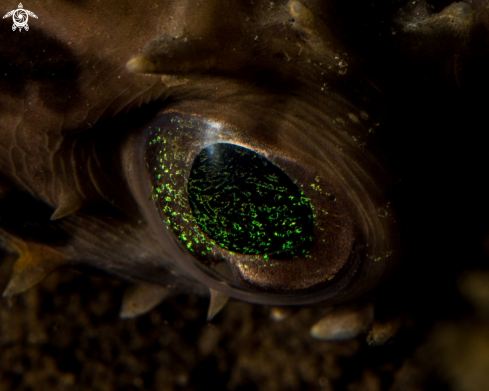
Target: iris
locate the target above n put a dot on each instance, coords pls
(245, 203)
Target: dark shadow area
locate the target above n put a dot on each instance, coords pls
(42, 59)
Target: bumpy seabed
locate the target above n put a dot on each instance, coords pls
(66, 334)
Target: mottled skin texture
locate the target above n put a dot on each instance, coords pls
(56, 84)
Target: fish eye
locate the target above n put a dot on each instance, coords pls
(258, 177)
(252, 216)
(247, 204)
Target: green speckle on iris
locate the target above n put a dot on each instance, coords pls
(247, 204)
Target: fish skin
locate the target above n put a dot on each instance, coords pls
(66, 88)
(59, 80)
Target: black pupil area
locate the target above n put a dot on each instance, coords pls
(245, 203)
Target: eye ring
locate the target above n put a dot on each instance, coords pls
(181, 261)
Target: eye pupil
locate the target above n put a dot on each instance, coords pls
(246, 204)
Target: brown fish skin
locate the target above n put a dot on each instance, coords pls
(65, 87)
(59, 79)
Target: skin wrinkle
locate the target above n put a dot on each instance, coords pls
(70, 170)
(56, 184)
(44, 146)
(95, 168)
(107, 102)
(18, 170)
(92, 171)
(94, 113)
(77, 170)
(105, 243)
(105, 250)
